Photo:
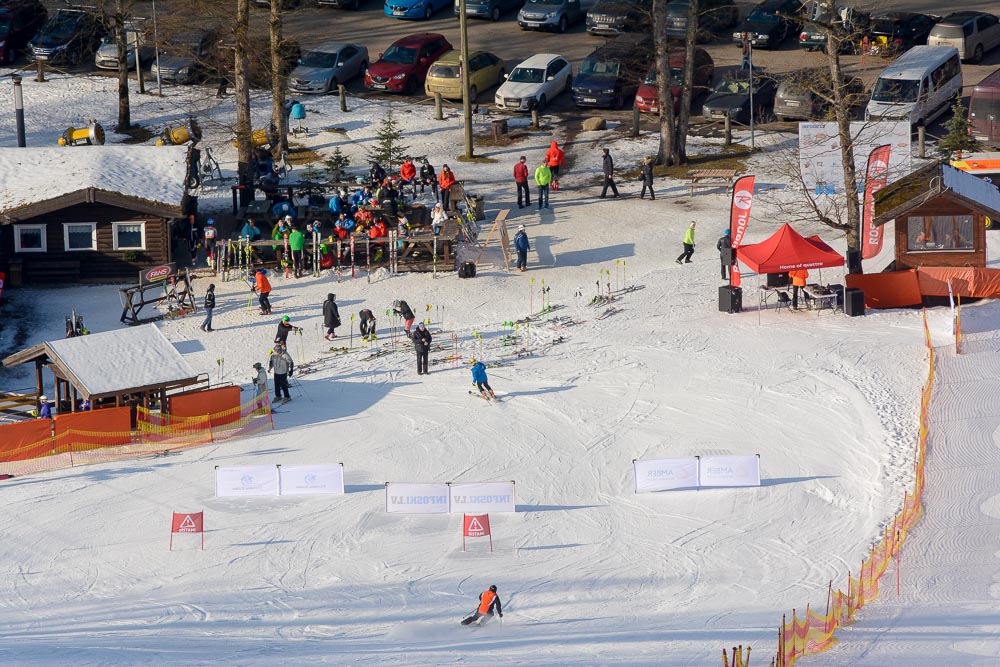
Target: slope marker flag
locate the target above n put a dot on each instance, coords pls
(476, 525)
(190, 522)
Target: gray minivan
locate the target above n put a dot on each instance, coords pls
(972, 33)
(803, 94)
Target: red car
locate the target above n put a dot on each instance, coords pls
(403, 67)
(646, 99)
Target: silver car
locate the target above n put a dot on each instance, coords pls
(972, 33)
(184, 58)
(328, 65)
(107, 54)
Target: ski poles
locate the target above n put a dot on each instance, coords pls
(351, 345)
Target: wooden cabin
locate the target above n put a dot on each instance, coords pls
(940, 216)
(88, 213)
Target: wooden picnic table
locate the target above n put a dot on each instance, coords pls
(711, 178)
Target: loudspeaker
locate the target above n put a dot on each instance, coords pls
(726, 255)
(854, 261)
(730, 299)
(467, 270)
(854, 302)
(778, 280)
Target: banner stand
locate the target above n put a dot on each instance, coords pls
(476, 525)
(192, 522)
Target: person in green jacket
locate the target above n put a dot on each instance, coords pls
(297, 244)
(688, 245)
(280, 230)
(543, 176)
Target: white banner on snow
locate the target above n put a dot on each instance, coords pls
(819, 152)
(729, 471)
(246, 481)
(312, 479)
(416, 498)
(665, 474)
(482, 497)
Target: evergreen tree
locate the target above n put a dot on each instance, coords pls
(388, 149)
(958, 140)
(336, 166)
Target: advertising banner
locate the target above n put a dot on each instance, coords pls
(482, 497)
(312, 479)
(246, 481)
(157, 274)
(416, 498)
(875, 180)
(729, 471)
(820, 162)
(665, 474)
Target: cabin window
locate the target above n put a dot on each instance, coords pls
(129, 235)
(29, 238)
(939, 232)
(80, 236)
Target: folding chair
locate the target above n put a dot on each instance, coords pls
(784, 300)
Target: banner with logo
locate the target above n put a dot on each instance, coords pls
(416, 498)
(311, 479)
(246, 481)
(729, 471)
(482, 497)
(876, 177)
(665, 474)
(739, 218)
(157, 274)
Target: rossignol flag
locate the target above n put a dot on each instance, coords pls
(876, 176)
(739, 218)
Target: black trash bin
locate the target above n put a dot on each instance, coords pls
(730, 299)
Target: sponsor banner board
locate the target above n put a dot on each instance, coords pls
(312, 479)
(665, 474)
(482, 497)
(729, 471)
(401, 498)
(246, 481)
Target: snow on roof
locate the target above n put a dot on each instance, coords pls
(121, 359)
(155, 174)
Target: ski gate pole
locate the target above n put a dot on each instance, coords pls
(351, 345)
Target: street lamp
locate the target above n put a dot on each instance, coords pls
(19, 110)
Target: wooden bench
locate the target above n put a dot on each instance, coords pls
(711, 178)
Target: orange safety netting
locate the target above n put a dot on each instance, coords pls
(813, 633)
(155, 433)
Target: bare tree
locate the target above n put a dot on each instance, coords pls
(119, 21)
(241, 85)
(673, 127)
(279, 79)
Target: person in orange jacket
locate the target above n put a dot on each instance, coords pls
(408, 176)
(799, 277)
(263, 286)
(488, 600)
(555, 159)
(446, 179)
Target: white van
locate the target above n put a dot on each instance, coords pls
(919, 86)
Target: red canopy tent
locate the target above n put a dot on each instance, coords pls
(787, 250)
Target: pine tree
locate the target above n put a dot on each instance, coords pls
(336, 166)
(388, 150)
(959, 139)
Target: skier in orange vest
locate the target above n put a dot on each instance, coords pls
(488, 599)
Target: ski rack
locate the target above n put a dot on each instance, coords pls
(176, 293)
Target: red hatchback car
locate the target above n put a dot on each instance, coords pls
(646, 99)
(403, 67)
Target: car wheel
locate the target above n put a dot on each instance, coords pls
(473, 94)
(411, 86)
(619, 100)
(977, 56)
(495, 14)
(362, 70)
(428, 12)
(569, 85)
(563, 24)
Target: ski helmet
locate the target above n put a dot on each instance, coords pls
(493, 588)
(285, 318)
(210, 221)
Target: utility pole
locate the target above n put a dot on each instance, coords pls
(466, 102)
(18, 110)
(156, 50)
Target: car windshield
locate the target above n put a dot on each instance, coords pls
(527, 75)
(984, 105)
(319, 59)
(445, 71)
(61, 27)
(733, 86)
(896, 90)
(599, 68)
(401, 55)
(545, 2)
(761, 16)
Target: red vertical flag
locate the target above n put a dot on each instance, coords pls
(876, 176)
(739, 218)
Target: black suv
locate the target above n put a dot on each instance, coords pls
(19, 21)
(713, 16)
(612, 73)
(610, 17)
(770, 22)
(68, 37)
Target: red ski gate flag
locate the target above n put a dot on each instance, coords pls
(739, 218)
(476, 525)
(876, 177)
(191, 522)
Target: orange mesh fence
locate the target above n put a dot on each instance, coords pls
(217, 403)
(814, 632)
(29, 447)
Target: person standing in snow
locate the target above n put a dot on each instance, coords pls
(367, 324)
(608, 169)
(210, 234)
(422, 344)
(522, 246)
(297, 246)
(209, 307)
(283, 366)
(725, 241)
(446, 179)
(799, 278)
(521, 181)
(543, 176)
(488, 601)
(402, 309)
(284, 328)
(331, 316)
(647, 179)
(555, 159)
(428, 178)
(263, 286)
(688, 245)
(480, 380)
(260, 383)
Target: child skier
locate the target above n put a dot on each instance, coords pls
(480, 380)
(488, 599)
(260, 384)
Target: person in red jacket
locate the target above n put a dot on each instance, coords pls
(555, 158)
(488, 600)
(408, 176)
(521, 180)
(263, 286)
(446, 179)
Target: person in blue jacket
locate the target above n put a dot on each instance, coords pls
(522, 246)
(480, 380)
(46, 410)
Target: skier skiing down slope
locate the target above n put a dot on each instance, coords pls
(488, 600)
(402, 309)
(480, 380)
